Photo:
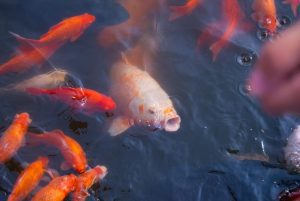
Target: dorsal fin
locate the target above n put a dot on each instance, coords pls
(53, 28)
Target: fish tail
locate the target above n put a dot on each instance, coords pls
(178, 11)
(216, 48)
(35, 91)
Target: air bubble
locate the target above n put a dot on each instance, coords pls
(284, 21)
(264, 34)
(245, 89)
(246, 58)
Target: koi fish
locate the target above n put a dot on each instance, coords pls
(265, 14)
(86, 100)
(294, 5)
(69, 148)
(86, 181)
(233, 15)
(186, 9)
(13, 137)
(57, 189)
(27, 58)
(69, 29)
(140, 100)
(28, 179)
(292, 151)
(140, 21)
(53, 79)
(290, 195)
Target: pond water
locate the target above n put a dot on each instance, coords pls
(218, 117)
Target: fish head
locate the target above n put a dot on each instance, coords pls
(109, 104)
(158, 117)
(87, 19)
(68, 183)
(101, 171)
(269, 22)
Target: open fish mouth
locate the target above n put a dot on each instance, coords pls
(172, 124)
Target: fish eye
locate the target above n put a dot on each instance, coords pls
(151, 111)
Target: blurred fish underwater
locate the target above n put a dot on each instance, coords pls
(189, 130)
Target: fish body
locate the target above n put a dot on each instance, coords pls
(27, 58)
(87, 100)
(265, 14)
(140, 100)
(86, 181)
(69, 148)
(233, 15)
(13, 136)
(140, 21)
(292, 150)
(294, 5)
(28, 179)
(53, 79)
(68, 30)
(186, 9)
(57, 189)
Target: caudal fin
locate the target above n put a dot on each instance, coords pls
(178, 11)
(216, 48)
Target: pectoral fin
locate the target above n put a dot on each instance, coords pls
(118, 125)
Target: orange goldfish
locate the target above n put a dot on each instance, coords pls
(294, 5)
(57, 189)
(140, 20)
(28, 57)
(86, 180)
(265, 14)
(69, 29)
(69, 148)
(186, 9)
(28, 179)
(233, 15)
(86, 100)
(13, 137)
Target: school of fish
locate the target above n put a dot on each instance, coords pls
(135, 98)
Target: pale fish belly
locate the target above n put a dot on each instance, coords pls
(292, 151)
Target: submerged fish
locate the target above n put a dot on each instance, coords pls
(292, 150)
(232, 14)
(294, 5)
(140, 100)
(86, 100)
(57, 189)
(251, 157)
(13, 137)
(265, 14)
(53, 79)
(69, 148)
(86, 181)
(28, 179)
(28, 57)
(186, 9)
(141, 15)
(69, 29)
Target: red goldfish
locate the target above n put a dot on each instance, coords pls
(86, 180)
(186, 9)
(69, 148)
(57, 189)
(294, 5)
(69, 29)
(233, 15)
(13, 137)
(265, 14)
(88, 100)
(28, 57)
(140, 20)
(28, 179)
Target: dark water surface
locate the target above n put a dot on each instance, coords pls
(218, 116)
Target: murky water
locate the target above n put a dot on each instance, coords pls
(217, 114)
